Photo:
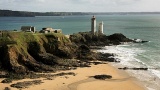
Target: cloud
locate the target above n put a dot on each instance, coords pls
(125, 2)
(81, 5)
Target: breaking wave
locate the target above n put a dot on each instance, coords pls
(128, 56)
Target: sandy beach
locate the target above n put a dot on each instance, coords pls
(83, 81)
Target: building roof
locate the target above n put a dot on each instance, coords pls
(93, 17)
(26, 27)
(48, 29)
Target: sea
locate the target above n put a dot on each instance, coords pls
(145, 27)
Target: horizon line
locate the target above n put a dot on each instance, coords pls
(87, 11)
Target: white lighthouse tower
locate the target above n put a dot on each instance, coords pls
(93, 25)
(100, 29)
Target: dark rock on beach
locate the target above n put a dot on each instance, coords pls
(126, 68)
(12, 76)
(26, 84)
(102, 77)
(7, 88)
(7, 80)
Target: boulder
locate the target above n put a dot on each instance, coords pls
(127, 68)
(102, 77)
(139, 41)
(117, 38)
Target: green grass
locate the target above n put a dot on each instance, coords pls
(21, 40)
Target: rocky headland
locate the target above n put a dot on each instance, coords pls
(22, 54)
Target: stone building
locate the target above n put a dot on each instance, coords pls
(28, 29)
(47, 30)
(50, 30)
(58, 31)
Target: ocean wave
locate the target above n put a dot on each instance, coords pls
(124, 54)
(128, 56)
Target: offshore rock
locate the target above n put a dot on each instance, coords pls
(88, 39)
(101, 40)
(117, 38)
(139, 41)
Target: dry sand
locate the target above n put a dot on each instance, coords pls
(82, 81)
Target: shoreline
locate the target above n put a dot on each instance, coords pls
(134, 66)
(82, 80)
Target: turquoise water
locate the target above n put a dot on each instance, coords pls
(145, 27)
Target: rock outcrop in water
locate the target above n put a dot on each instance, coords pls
(117, 38)
(102, 40)
(139, 41)
(22, 52)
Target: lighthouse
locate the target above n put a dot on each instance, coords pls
(93, 25)
(100, 29)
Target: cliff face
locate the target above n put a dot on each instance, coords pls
(33, 52)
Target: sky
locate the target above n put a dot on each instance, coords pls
(81, 5)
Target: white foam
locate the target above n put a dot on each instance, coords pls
(122, 53)
(127, 55)
(150, 88)
(155, 72)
